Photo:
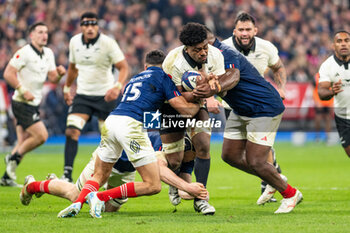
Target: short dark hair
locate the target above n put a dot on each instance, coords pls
(243, 17)
(155, 57)
(88, 14)
(34, 25)
(192, 34)
(341, 31)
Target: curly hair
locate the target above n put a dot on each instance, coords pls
(192, 34)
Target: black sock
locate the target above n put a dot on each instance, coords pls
(16, 156)
(263, 186)
(70, 151)
(5, 176)
(201, 170)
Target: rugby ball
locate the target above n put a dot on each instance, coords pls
(189, 80)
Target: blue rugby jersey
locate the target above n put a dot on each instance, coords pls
(146, 92)
(253, 96)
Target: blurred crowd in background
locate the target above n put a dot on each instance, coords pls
(300, 29)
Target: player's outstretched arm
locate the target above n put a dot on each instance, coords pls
(169, 177)
(185, 108)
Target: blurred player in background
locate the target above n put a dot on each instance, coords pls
(27, 72)
(91, 57)
(335, 82)
(264, 56)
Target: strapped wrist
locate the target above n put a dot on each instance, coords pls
(66, 89)
(21, 90)
(118, 85)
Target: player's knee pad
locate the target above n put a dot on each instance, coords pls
(174, 147)
(75, 121)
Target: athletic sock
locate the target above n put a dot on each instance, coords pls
(201, 170)
(90, 186)
(122, 192)
(6, 176)
(288, 192)
(16, 156)
(187, 167)
(263, 186)
(38, 187)
(70, 151)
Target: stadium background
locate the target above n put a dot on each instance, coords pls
(300, 29)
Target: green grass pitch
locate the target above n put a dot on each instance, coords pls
(321, 173)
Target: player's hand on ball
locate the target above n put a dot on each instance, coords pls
(203, 91)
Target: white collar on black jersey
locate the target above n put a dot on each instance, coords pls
(245, 51)
(192, 62)
(90, 42)
(340, 62)
(37, 51)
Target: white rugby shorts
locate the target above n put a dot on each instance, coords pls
(259, 130)
(123, 132)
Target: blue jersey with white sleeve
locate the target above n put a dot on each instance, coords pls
(253, 96)
(146, 92)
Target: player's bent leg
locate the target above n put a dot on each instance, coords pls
(116, 179)
(34, 136)
(233, 153)
(257, 160)
(75, 123)
(38, 135)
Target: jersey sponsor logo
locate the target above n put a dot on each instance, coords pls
(135, 146)
(151, 120)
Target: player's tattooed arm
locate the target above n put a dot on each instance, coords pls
(280, 77)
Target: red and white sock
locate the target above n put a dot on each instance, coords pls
(288, 192)
(123, 191)
(90, 186)
(38, 187)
